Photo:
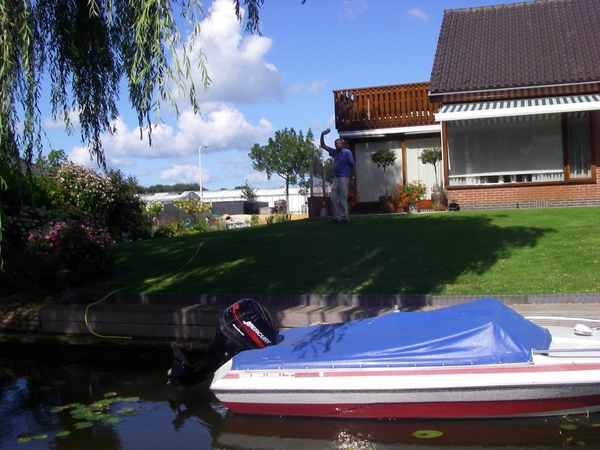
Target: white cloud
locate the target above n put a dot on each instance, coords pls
(222, 127)
(184, 174)
(81, 156)
(418, 13)
(312, 88)
(59, 124)
(353, 8)
(235, 62)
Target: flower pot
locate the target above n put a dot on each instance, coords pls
(386, 204)
(439, 202)
(414, 207)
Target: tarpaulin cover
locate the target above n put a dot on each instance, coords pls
(483, 331)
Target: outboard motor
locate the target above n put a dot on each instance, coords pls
(244, 325)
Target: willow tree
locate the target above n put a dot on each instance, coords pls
(289, 155)
(84, 50)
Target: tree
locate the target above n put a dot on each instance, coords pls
(85, 48)
(289, 155)
(432, 156)
(248, 191)
(384, 158)
(323, 169)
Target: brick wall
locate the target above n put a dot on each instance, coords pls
(536, 195)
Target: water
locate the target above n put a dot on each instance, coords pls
(155, 416)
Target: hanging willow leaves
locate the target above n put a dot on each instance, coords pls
(85, 49)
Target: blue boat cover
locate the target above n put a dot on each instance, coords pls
(483, 331)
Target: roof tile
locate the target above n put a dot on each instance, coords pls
(539, 43)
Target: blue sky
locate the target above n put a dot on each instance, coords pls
(261, 84)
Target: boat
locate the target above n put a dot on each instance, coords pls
(478, 359)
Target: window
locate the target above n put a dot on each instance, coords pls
(370, 177)
(505, 149)
(578, 146)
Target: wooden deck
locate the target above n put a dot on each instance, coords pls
(400, 105)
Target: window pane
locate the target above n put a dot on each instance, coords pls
(369, 177)
(505, 145)
(578, 137)
(416, 170)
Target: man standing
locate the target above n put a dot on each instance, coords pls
(344, 172)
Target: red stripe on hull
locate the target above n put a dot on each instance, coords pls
(432, 410)
(421, 371)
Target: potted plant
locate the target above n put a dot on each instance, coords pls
(432, 156)
(353, 196)
(409, 195)
(384, 158)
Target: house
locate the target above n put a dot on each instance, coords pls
(399, 118)
(519, 93)
(513, 100)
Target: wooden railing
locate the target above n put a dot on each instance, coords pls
(399, 105)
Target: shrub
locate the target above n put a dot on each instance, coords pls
(408, 193)
(125, 216)
(84, 189)
(79, 245)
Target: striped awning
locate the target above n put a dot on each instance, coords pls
(463, 111)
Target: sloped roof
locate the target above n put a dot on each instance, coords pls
(538, 43)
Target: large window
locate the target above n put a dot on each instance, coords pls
(370, 177)
(578, 145)
(516, 149)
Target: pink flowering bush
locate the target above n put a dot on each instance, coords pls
(81, 246)
(84, 189)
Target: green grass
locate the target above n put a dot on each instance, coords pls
(540, 251)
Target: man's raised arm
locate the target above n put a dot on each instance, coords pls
(323, 146)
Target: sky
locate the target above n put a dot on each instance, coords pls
(283, 78)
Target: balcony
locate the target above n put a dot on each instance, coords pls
(399, 105)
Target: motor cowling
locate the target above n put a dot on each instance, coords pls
(245, 325)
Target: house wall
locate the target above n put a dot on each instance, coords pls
(537, 195)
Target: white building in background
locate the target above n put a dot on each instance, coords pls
(297, 202)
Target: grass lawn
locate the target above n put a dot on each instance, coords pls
(539, 251)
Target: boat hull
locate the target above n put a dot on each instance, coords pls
(462, 392)
(426, 410)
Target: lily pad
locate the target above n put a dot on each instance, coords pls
(130, 399)
(22, 440)
(95, 417)
(106, 401)
(427, 434)
(85, 410)
(111, 419)
(57, 409)
(130, 413)
(81, 425)
(110, 394)
(568, 426)
(40, 437)
(62, 433)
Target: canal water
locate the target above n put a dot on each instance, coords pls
(49, 405)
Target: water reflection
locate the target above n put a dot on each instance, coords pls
(185, 418)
